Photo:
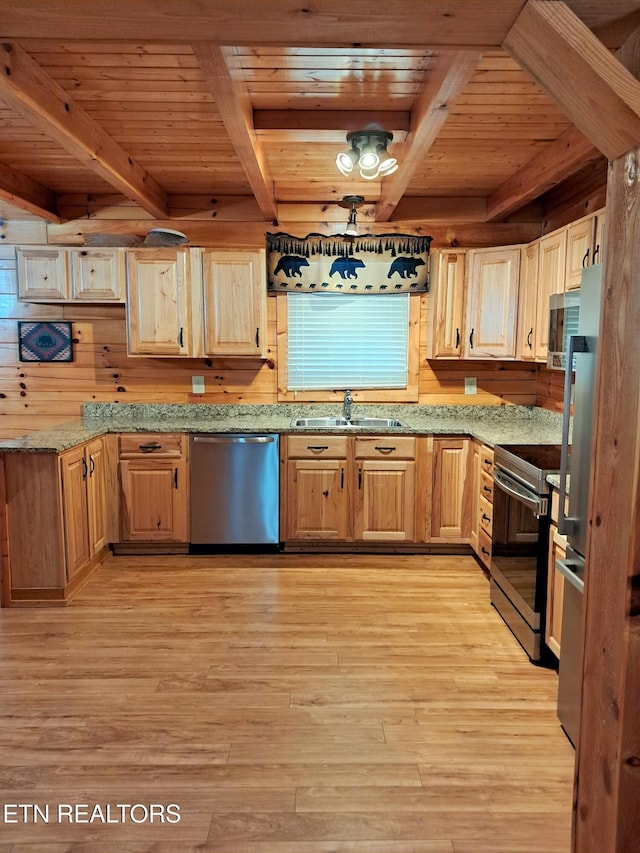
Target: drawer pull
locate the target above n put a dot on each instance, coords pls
(488, 462)
(488, 489)
(342, 478)
(485, 552)
(149, 448)
(317, 448)
(485, 517)
(385, 449)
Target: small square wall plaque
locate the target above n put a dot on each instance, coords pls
(44, 341)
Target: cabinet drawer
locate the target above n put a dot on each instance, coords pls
(386, 447)
(486, 486)
(484, 548)
(163, 445)
(317, 446)
(486, 459)
(486, 515)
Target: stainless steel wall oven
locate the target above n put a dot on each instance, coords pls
(521, 523)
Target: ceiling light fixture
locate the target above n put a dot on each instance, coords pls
(354, 201)
(369, 152)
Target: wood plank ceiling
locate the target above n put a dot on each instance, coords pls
(158, 109)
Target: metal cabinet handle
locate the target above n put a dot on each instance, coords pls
(84, 468)
(359, 478)
(488, 489)
(596, 252)
(585, 260)
(181, 338)
(485, 552)
(529, 336)
(485, 517)
(457, 338)
(257, 337)
(471, 338)
(317, 448)
(342, 478)
(149, 448)
(92, 465)
(175, 478)
(384, 449)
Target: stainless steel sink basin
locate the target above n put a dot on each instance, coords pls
(343, 423)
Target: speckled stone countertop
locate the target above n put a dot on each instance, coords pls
(490, 424)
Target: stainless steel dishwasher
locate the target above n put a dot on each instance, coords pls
(234, 489)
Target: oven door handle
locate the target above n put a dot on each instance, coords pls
(526, 497)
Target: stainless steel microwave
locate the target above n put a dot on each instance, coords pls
(564, 310)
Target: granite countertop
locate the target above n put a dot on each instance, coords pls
(490, 424)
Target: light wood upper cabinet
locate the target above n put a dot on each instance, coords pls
(43, 274)
(492, 300)
(234, 303)
(551, 277)
(527, 308)
(446, 305)
(154, 488)
(50, 274)
(158, 303)
(98, 275)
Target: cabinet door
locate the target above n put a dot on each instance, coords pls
(447, 306)
(580, 237)
(98, 275)
(234, 303)
(317, 499)
(384, 500)
(98, 511)
(158, 314)
(551, 272)
(74, 471)
(450, 497)
(555, 591)
(492, 299)
(154, 500)
(43, 274)
(527, 328)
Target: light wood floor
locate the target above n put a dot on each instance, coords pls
(286, 704)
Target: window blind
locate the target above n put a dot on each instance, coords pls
(338, 341)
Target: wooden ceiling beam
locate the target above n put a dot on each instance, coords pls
(561, 159)
(26, 87)
(223, 74)
(343, 121)
(23, 192)
(438, 23)
(444, 83)
(599, 96)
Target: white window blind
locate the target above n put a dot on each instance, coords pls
(337, 341)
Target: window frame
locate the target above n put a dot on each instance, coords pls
(364, 395)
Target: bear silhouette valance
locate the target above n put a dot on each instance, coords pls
(385, 263)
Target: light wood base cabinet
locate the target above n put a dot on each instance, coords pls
(58, 520)
(154, 504)
(449, 517)
(555, 591)
(350, 489)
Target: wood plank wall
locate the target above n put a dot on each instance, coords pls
(35, 396)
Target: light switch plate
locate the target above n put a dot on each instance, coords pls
(470, 385)
(197, 384)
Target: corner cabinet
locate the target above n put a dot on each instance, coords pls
(158, 306)
(492, 301)
(154, 502)
(68, 499)
(234, 293)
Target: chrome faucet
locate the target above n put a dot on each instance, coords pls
(346, 406)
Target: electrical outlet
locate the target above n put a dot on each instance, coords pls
(470, 385)
(197, 384)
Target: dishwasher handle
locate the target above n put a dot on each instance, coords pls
(233, 439)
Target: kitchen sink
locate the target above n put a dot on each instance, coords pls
(343, 423)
